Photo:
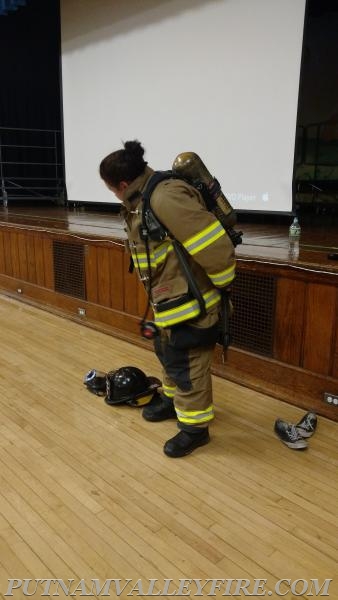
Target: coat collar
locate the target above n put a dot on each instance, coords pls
(132, 194)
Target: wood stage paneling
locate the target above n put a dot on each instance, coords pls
(285, 340)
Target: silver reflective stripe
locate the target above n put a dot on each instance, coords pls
(178, 314)
(195, 416)
(205, 238)
(211, 297)
(160, 253)
(186, 311)
(157, 256)
(141, 260)
(224, 277)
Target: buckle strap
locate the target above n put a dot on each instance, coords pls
(175, 303)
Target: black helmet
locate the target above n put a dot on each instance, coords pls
(95, 382)
(129, 385)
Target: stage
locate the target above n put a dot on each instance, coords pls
(260, 240)
(74, 262)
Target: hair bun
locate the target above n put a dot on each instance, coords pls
(134, 148)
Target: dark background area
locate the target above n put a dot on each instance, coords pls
(30, 66)
(31, 88)
(31, 139)
(316, 155)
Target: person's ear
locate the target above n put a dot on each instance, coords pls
(123, 186)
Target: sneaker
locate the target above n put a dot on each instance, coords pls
(288, 434)
(307, 425)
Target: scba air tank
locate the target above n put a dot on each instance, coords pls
(189, 166)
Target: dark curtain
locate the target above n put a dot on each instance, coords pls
(32, 163)
(30, 66)
(316, 160)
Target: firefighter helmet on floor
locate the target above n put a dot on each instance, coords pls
(95, 382)
(130, 385)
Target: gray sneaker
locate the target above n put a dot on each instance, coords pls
(289, 435)
(307, 425)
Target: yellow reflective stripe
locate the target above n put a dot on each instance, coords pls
(204, 238)
(141, 260)
(186, 311)
(169, 391)
(223, 277)
(194, 417)
(211, 298)
(157, 256)
(162, 251)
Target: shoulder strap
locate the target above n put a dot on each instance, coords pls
(151, 226)
(154, 180)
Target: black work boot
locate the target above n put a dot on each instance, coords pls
(160, 408)
(183, 442)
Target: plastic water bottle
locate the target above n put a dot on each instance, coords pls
(294, 237)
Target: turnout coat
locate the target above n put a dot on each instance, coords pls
(181, 209)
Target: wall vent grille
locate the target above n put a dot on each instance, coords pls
(252, 325)
(69, 269)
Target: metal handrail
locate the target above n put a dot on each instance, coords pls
(2, 128)
(52, 164)
(15, 171)
(24, 146)
(16, 185)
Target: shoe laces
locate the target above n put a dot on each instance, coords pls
(308, 422)
(293, 433)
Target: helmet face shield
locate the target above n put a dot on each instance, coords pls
(95, 382)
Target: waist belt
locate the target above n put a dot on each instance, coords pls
(175, 303)
(184, 308)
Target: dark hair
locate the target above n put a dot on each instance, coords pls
(123, 165)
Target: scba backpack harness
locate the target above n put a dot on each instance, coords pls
(188, 167)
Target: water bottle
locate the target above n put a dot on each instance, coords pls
(294, 237)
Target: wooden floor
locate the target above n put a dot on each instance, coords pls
(87, 493)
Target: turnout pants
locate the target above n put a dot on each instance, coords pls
(185, 352)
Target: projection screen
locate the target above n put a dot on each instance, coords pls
(217, 77)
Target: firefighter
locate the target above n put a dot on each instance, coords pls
(185, 335)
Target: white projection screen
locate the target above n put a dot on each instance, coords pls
(217, 77)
